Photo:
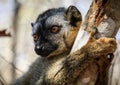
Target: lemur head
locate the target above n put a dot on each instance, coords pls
(55, 30)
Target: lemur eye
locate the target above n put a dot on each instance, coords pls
(55, 29)
(35, 37)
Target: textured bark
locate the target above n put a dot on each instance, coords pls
(104, 15)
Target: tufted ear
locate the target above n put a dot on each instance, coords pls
(74, 16)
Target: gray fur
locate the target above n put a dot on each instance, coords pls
(57, 66)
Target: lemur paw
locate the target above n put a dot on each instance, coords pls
(106, 45)
(102, 46)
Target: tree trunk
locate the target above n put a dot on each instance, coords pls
(105, 16)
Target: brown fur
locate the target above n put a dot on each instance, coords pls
(83, 67)
(71, 36)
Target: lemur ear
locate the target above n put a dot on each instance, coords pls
(32, 24)
(74, 16)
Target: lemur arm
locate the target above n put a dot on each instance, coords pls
(75, 63)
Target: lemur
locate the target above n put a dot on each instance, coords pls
(54, 33)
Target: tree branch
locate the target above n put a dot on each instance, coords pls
(4, 33)
(104, 15)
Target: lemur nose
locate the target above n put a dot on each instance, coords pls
(42, 47)
(38, 47)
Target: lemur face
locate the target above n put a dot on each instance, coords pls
(51, 29)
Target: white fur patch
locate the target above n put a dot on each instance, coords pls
(86, 80)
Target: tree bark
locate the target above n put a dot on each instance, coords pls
(104, 15)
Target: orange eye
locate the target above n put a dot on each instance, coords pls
(35, 37)
(55, 29)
